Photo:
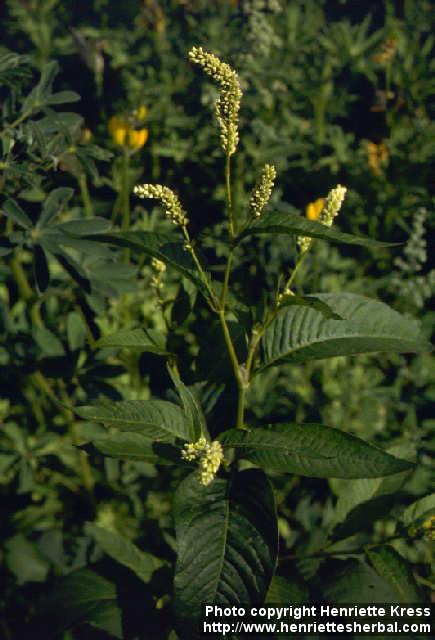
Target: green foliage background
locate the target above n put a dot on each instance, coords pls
(321, 81)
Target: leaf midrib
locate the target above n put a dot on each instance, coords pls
(338, 339)
(224, 546)
(281, 448)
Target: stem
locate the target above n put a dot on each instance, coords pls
(35, 314)
(16, 122)
(259, 331)
(256, 336)
(21, 279)
(226, 279)
(63, 405)
(87, 202)
(213, 302)
(86, 471)
(125, 201)
(228, 195)
(241, 385)
(25, 290)
(241, 382)
(295, 270)
(241, 407)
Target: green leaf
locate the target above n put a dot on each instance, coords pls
(61, 97)
(108, 617)
(313, 450)
(54, 205)
(130, 445)
(283, 590)
(355, 581)
(195, 418)
(87, 227)
(143, 339)
(157, 419)
(41, 93)
(158, 246)
(66, 122)
(419, 509)
(13, 211)
(49, 344)
(396, 572)
(71, 266)
(125, 552)
(290, 223)
(75, 331)
(25, 560)
(6, 461)
(81, 596)
(214, 362)
(310, 301)
(227, 541)
(356, 497)
(40, 268)
(298, 334)
(54, 238)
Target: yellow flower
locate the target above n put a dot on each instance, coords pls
(314, 209)
(125, 135)
(429, 523)
(85, 136)
(386, 51)
(377, 154)
(137, 138)
(141, 112)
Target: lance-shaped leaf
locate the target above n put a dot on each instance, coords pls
(126, 446)
(292, 591)
(136, 446)
(125, 552)
(143, 339)
(396, 572)
(71, 266)
(54, 204)
(40, 268)
(310, 301)
(355, 581)
(227, 542)
(313, 450)
(61, 97)
(283, 222)
(157, 419)
(42, 95)
(362, 501)
(195, 418)
(419, 511)
(302, 333)
(75, 331)
(54, 238)
(12, 210)
(80, 596)
(160, 246)
(88, 227)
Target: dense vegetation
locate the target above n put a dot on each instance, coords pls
(136, 347)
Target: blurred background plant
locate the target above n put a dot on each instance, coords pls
(95, 98)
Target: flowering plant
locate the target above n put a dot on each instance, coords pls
(225, 507)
